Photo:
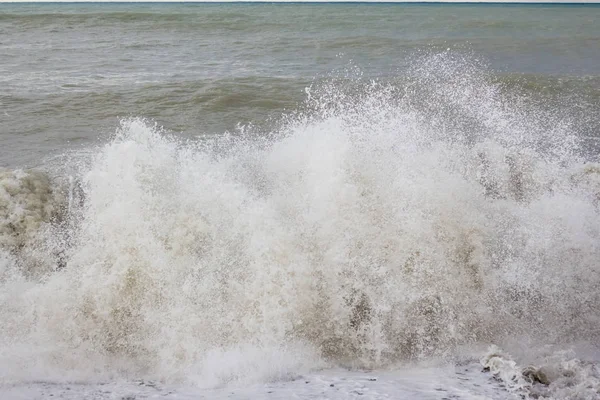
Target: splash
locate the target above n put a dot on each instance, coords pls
(560, 376)
(26, 201)
(382, 224)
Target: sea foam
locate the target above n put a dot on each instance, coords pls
(381, 225)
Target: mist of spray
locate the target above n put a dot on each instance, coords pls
(382, 224)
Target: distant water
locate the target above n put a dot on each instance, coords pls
(69, 72)
(238, 194)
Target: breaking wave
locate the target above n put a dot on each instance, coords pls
(375, 226)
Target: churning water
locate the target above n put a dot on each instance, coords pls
(419, 217)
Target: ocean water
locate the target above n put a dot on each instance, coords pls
(299, 200)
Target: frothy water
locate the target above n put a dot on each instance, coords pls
(560, 376)
(389, 224)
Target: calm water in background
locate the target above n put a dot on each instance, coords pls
(68, 72)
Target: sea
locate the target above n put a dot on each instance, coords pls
(299, 201)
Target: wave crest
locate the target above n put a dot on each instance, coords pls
(391, 224)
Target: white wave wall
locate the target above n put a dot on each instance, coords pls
(397, 223)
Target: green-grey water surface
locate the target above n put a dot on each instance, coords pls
(68, 72)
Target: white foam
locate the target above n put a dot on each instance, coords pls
(393, 225)
(26, 201)
(559, 376)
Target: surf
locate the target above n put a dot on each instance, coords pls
(371, 227)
